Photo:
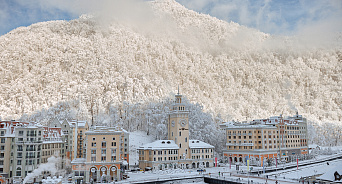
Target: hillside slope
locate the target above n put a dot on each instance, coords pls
(231, 69)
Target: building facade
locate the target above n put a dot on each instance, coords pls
(272, 139)
(178, 151)
(105, 158)
(24, 146)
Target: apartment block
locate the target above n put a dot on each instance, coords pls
(263, 139)
(105, 158)
(24, 146)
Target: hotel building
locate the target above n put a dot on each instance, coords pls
(264, 139)
(105, 157)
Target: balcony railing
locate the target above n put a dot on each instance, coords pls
(239, 144)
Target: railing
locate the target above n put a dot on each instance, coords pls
(239, 144)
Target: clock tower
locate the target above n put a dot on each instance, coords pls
(178, 129)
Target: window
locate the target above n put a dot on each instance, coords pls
(103, 158)
(21, 133)
(2, 140)
(113, 158)
(180, 133)
(103, 151)
(94, 138)
(93, 151)
(93, 144)
(104, 138)
(180, 145)
(104, 144)
(113, 138)
(93, 159)
(113, 143)
(19, 162)
(186, 139)
(18, 171)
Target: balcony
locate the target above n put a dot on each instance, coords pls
(239, 144)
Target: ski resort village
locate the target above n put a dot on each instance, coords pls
(170, 91)
(272, 150)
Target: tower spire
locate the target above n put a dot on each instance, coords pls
(178, 89)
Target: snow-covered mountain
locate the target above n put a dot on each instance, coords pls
(233, 70)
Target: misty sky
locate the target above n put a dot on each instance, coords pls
(284, 17)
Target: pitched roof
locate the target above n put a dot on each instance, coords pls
(199, 144)
(160, 144)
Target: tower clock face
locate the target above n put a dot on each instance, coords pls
(182, 122)
(173, 123)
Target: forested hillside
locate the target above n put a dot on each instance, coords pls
(231, 70)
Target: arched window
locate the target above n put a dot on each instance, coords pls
(18, 171)
(180, 133)
(186, 139)
(180, 145)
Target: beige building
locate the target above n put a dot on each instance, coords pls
(179, 151)
(105, 157)
(264, 139)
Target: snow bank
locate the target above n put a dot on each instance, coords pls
(137, 139)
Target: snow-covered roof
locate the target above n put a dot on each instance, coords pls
(199, 144)
(81, 123)
(160, 144)
(248, 126)
(102, 130)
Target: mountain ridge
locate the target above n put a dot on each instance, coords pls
(231, 69)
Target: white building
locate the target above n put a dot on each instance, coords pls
(178, 151)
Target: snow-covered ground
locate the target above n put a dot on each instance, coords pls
(137, 139)
(306, 171)
(230, 173)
